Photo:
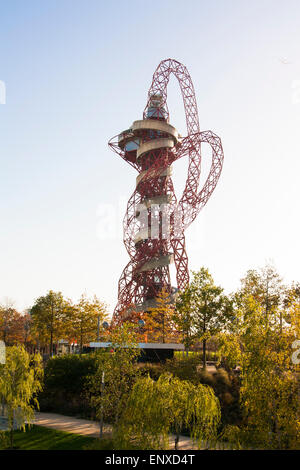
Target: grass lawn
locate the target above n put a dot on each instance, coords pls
(40, 438)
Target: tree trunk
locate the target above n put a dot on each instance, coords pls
(204, 353)
(80, 348)
(101, 409)
(51, 331)
(177, 437)
(51, 343)
(204, 340)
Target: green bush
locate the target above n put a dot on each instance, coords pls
(66, 389)
(226, 387)
(210, 355)
(185, 368)
(224, 384)
(65, 385)
(207, 378)
(151, 369)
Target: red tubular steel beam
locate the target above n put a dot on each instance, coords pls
(155, 221)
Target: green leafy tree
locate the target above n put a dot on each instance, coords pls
(81, 320)
(269, 388)
(183, 318)
(154, 409)
(266, 287)
(115, 375)
(159, 319)
(20, 381)
(47, 315)
(204, 309)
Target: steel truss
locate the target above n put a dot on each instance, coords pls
(155, 221)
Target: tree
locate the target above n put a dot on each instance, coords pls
(47, 317)
(159, 319)
(118, 370)
(291, 305)
(292, 294)
(129, 314)
(203, 308)
(154, 409)
(269, 388)
(11, 325)
(20, 381)
(81, 320)
(266, 287)
(26, 327)
(183, 318)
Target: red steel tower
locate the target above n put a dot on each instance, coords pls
(155, 221)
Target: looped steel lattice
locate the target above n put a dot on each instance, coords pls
(155, 221)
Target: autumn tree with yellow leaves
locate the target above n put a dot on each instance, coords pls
(269, 393)
(159, 324)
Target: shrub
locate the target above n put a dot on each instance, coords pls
(185, 368)
(225, 385)
(153, 370)
(65, 385)
(207, 378)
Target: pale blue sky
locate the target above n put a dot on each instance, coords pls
(77, 72)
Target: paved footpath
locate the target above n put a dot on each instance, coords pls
(90, 428)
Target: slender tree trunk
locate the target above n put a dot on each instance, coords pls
(51, 343)
(51, 331)
(80, 338)
(204, 340)
(98, 328)
(177, 437)
(101, 409)
(204, 353)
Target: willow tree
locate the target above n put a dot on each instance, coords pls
(20, 381)
(116, 373)
(154, 409)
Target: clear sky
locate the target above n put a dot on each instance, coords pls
(77, 72)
